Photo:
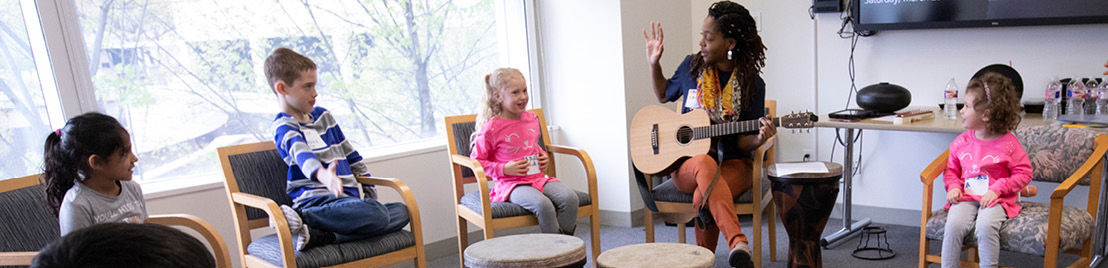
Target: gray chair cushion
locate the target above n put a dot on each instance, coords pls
(472, 200)
(667, 192)
(29, 223)
(1026, 233)
(268, 248)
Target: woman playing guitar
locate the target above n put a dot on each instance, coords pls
(723, 81)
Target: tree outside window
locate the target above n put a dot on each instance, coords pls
(186, 77)
(23, 120)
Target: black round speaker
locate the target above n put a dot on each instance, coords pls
(1006, 71)
(883, 97)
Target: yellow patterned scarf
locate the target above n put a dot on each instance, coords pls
(721, 105)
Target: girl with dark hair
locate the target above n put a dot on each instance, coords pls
(722, 80)
(87, 173)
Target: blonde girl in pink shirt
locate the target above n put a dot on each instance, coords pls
(986, 170)
(506, 144)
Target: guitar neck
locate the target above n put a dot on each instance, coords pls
(730, 128)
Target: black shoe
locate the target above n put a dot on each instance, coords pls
(310, 238)
(740, 256)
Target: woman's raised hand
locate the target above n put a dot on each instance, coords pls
(654, 45)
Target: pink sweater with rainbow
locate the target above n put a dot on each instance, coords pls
(1002, 160)
(502, 140)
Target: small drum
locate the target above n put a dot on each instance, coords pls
(527, 250)
(657, 255)
(805, 201)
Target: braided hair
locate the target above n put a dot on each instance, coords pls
(749, 56)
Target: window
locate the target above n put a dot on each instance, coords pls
(185, 76)
(24, 122)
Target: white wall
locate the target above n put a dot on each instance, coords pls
(637, 85)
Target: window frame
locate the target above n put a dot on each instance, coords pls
(69, 89)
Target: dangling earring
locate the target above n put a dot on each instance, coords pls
(728, 55)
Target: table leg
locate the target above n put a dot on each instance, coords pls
(848, 229)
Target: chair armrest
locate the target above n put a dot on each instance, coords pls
(482, 180)
(17, 258)
(1098, 155)
(760, 152)
(222, 257)
(590, 170)
(406, 195)
(470, 163)
(936, 168)
(276, 216)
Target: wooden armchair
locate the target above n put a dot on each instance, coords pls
(29, 223)
(475, 207)
(255, 183)
(677, 207)
(1067, 156)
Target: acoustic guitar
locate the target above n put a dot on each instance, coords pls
(659, 136)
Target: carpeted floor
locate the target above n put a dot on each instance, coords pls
(904, 241)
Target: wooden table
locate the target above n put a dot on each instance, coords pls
(937, 125)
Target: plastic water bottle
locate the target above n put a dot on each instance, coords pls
(1102, 99)
(950, 99)
(1052, 104)
(1092, 95)
(1076, 94)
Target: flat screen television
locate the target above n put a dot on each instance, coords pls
(870, 15)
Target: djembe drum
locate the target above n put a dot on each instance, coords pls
(526, 250)
(673, 255)
(805, 201)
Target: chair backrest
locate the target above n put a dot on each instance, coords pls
(459, 130)
(256, 169)
(28, 223)
(1056, 152)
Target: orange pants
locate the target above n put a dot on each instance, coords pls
(694, 176)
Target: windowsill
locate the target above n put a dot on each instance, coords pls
(214, 180)
(388, 152)
(181, 186)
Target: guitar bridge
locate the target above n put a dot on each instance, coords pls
(654, 138)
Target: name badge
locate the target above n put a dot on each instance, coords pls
(690, 100)
(977, 185)
(313, 138)
(533, 161)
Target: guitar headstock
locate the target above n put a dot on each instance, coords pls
(799, 120)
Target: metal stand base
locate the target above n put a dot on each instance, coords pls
(843, 234)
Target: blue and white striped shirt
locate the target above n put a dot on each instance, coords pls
(307, 146)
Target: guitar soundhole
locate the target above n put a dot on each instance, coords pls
(684, 135)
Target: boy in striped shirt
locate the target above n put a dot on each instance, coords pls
(322, 164)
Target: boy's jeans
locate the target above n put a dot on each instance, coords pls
(351, 218)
